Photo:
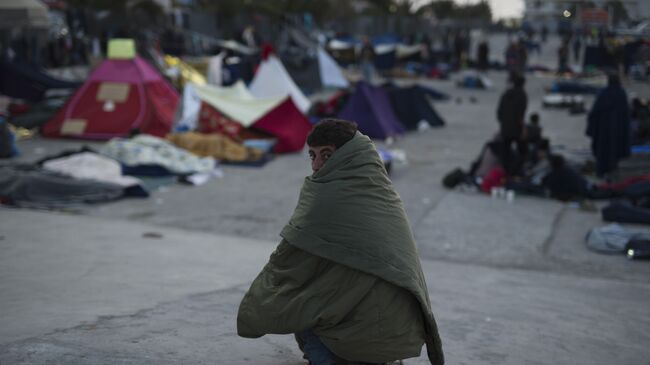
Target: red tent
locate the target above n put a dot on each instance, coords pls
(288, 124)
(121, 95)
(284, 122)
(234, 112)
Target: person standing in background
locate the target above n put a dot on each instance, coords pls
(510, 114)
(367, 57)
(577, 47)
(608, 125)
(483, 56)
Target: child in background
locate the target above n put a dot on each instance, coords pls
(533, 130)
(533, 138)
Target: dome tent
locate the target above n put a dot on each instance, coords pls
(124, 93)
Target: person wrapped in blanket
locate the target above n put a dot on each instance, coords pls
(346, 278)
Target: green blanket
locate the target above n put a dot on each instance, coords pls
(349, 213)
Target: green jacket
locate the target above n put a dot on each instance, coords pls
(347, 268)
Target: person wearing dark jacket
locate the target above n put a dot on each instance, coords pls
(510, 114)
(608, 125)
(483, 56)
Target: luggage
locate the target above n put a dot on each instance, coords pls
(453, 178)
(638, 249)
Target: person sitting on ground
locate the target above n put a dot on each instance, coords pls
(539, 164)
(533, 137)
(535, 169)
(346, 279)
(563, 182)
(488, 159)
(533, 130)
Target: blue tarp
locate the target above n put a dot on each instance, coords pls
(641, 149)
(572, 87)
(386, 39)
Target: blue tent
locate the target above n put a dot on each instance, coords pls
(24, 81)
(412, 106)
(371, 109)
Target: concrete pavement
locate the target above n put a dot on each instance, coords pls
(80, 290)
(59, 269)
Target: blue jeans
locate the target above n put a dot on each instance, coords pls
(315, 350)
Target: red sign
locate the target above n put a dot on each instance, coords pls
(594, 16)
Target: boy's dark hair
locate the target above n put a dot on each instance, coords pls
(534, 118)
(334, 132)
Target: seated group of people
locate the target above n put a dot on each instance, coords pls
(528, 166)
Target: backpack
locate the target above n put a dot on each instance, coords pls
(453, 178)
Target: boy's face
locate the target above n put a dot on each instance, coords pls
(319, 155)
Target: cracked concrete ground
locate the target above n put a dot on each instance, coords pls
(510, 283)
(86, 290)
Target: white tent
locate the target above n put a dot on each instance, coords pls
(404, 50)
(273, 81)
(215, 69)
(234, 101)
(330, 72)
(23, 13)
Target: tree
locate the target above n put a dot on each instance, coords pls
(448, 9)
(443, 9)
(479, 11)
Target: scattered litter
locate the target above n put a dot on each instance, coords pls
(155, 235)
(198, 179)
(217, 172)
(399, 156)
(426, 201)
(159, 201)
(423, 125)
